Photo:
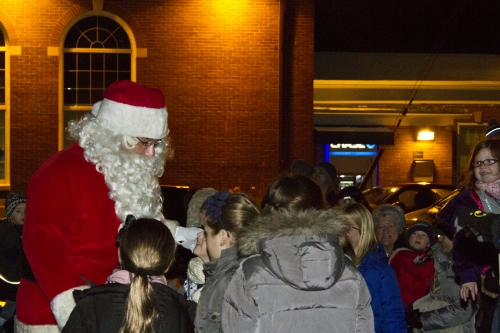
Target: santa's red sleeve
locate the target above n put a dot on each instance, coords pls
(69, 233)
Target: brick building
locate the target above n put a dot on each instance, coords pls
(237, 77)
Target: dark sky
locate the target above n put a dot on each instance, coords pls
(421, 26)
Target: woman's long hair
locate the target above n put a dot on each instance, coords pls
(470, 179)
(360, 215)
(147, 249)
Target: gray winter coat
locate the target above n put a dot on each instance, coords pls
(443, 310)
(300, 280)
(218, 274)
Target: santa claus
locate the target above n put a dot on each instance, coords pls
(80, 197)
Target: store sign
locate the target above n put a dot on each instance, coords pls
(352, 149)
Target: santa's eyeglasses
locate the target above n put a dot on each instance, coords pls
(147, 144)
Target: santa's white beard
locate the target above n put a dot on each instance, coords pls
(133, 183)
(132, 179)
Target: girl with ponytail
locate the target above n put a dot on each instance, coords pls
(136, 297)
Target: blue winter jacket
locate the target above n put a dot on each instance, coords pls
(387, 304)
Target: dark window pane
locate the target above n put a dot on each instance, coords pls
(97, 79)
(124, 61)
(83, 80)
(110, 78)
(69, 97)
(83, 61)
(2, 79)
(2, 96)
(96, 95)
(71, 37)
(2, 40)
(122, 38)
(70, 79)
(111, 62)
(70, 61)
(2, 60)
(83, 97)
(124, 76)
(97, 61)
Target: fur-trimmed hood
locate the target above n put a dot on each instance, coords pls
(301, 248)
(288, 223)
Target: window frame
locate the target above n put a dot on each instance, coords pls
(62, 50)
(5, 181)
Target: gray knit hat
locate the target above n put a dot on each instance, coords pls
(13, 199)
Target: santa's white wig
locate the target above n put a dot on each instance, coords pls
(132, 179)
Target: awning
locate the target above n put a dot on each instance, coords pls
(346, 134)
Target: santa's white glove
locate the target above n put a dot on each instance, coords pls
(186, 237)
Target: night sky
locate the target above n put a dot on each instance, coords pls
(421, 26)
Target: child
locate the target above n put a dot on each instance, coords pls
(135, 298)
(442, 310)
(11, 255)
(226, 216)
(414, 265)
(296, 278)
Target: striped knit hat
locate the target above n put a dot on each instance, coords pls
(13, 199)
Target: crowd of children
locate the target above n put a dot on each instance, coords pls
(300, 263)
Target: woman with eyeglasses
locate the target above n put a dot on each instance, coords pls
(472, 255)
(227, 214)
(371, 261)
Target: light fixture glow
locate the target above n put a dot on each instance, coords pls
(425, 135)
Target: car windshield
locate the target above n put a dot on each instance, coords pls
(376, 195)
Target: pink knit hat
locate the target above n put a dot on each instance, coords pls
(131, 109)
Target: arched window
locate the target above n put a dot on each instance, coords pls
(97, 52)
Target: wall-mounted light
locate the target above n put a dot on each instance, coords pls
(425, 135)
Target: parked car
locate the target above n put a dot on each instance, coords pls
(429, 214)
(410, 197)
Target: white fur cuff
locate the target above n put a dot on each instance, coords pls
(63, 304)
(21, 327)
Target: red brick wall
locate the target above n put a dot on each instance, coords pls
(395, 164)
(219, 66)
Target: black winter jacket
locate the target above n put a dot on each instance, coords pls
(102, 308)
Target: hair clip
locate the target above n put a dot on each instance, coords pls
(213, 205)
(128, 220)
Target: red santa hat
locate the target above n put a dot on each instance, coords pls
(131, 109)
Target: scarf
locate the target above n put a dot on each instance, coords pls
(491, 188)
(124, 277)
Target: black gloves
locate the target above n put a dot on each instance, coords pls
(413, 319)
(478, 221)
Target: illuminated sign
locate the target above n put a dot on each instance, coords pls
(351, 149)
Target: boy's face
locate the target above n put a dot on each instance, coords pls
(419, 240)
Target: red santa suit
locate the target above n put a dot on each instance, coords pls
(71, 223)
(69, 235)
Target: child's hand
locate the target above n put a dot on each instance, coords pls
(466, 288)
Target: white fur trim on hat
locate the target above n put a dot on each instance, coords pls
(136, 121)
(63, 304)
